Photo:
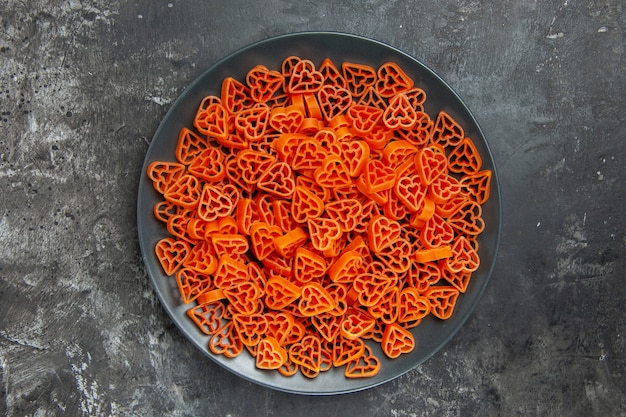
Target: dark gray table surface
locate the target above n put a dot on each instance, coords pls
(83, 87)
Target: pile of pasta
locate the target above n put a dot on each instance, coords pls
(314, 210)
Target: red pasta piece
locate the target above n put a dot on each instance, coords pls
(397, 257)
(416, 97)
(331, 75)
(371, 98)
(378, 176)
(386, 309)
(270, 355)
(345, 350)
(229, 244)
(419, 133)
(282, 214)
(305, 205)
(467, 218)
(339, 292)
(323, 232)
(365, 366)
(265, 208)
(243, 298)
(359, 77)
(308, 155)
(275, 263)
(178, 226)
(209, 317)
(356, 323)
(370, 288)
(314, 300)
(411, 192)
(355, 153)
(332, 173)
(201, 258)
(233, 141)
(279, 325)
(164, 174)
(398, 151)
(397, 340)
(234, 174)
(185, 192)
(208, 165)
(229, 272)
(287, 244)
(464, 158)
(278, 180)
(327, 325)
(442, 300)
(382, 232)
(307, 353)
(399, 114)
(246, 207)
(422, 275)
(171, 254)
(477, 186)
(308, 265)
(214, 204)
(346, 212)
(378, 137)
(334, 101)
(262, 237)
(226, 341)
(235, 96)
(313, 109)
(392, 80)
(286, 119)
(288, 65)
(252, 122)
(364, 117)
(464, 258)
(446, 131)
(212, 121)
(191, 284)
(436, 232)
(430, 163)
(412, 307)
(279, 293)
(304, 78)
(443, 188)
(459, 280)
(256, 275)
(252, 164)
(347, 267)
(250, 327)
(189, 145)
(289, 368)
(163, 210)
(424, 213)
(433, 254)
(263, 83)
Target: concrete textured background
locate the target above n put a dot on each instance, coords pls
(84, 85)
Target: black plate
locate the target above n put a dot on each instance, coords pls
(432, 334)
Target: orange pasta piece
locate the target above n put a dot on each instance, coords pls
(209, 317)
(397, 340)
(270, 354)
(359, 77)
(263, 83)
(172, 254)
(392, 80)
